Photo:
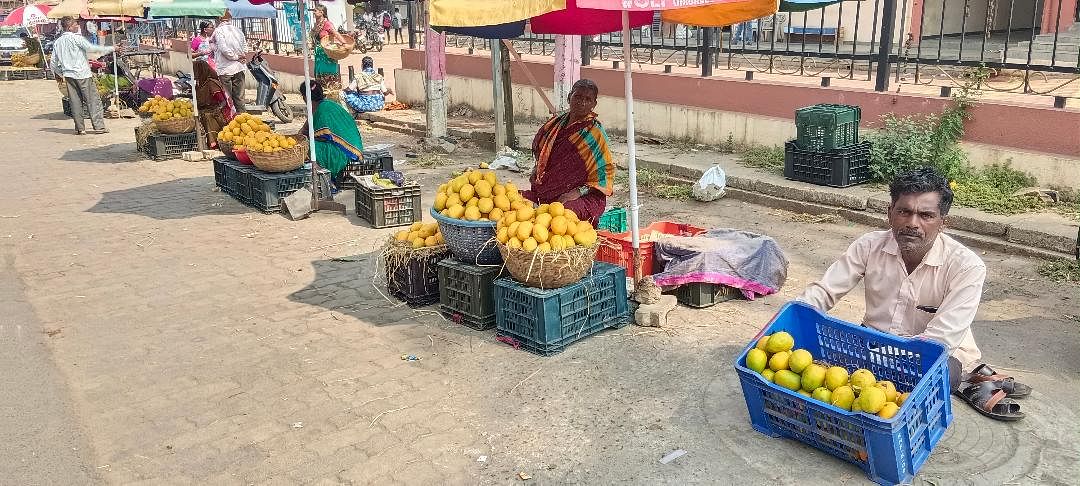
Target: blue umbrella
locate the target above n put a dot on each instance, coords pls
(244, 9)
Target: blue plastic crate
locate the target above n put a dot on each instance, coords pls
(889, 451)
(546, 321)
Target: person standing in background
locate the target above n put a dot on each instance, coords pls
(202, 44)
(70, 61)
(92, 32)
(397, 21)
(230, 46)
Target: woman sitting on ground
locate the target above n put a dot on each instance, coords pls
(367, 93)
(573, 162)
(337, 140)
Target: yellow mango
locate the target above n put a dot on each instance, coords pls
(529, 244)
(440, 201)
(524, 230)
(472, 213)
(483, 188)
(558, 224)
(502, 235)
(466, 192)
(485, 204)
(540, 233)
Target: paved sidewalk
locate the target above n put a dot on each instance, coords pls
(1043, 234)
(201, 342)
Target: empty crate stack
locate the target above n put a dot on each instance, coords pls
(827, 150)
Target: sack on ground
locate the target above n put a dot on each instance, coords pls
(711, 185)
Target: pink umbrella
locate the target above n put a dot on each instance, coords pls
(28, 16)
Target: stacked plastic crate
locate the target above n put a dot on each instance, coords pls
(827, 150)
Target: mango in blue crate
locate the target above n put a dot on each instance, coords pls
(862, 378)
(843, 397)
(756, 360)
(779, 341)
(787, 379)
(800, 359)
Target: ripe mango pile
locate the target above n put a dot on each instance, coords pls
(250, 133)
(549, 227)
(165, 109)
(421, 235)
(477, 196)
(797, 371)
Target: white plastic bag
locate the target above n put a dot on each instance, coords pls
(711, 185)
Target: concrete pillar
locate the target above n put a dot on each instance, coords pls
(435, 74)
(567, 68)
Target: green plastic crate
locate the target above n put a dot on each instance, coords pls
(827, 126)
(613, 220)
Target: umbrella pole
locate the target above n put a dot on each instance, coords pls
(115, 75)
(195, 103)
(631, 148)
(317, 203)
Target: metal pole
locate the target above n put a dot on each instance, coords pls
(888, 22)
(274, 35)
(498, 100)
(705, 51)
(586, 58)
(631, 148)
(410, 10)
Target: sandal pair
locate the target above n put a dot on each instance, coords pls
(991, 394)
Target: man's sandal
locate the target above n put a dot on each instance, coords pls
(1012, 388)
(988, 399)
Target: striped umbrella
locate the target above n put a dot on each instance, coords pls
(28, 16)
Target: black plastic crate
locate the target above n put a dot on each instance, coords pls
(386, 207)
(840, 167)
(467, 293)
(376, 158)
(234, 174)
(164, 146)
(702, 294)
(265, 190)
(19, 74)
(827, 126)
(545, 322)
(417, 282)
(220, 165)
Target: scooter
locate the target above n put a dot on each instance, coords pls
(183, 84)
(267, 93)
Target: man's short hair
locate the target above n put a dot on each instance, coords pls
(67, 22)
(586, 84)
(923, 180)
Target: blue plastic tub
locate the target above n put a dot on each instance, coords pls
(547, 321)
(889, 451)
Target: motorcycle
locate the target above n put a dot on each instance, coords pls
(369, 37)
(182, 85)
(268, 95)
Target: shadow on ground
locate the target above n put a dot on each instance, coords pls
(108, 154)
(176, 199)
(51, 116)
(346, 285)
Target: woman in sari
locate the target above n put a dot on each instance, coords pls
(368, 92)
(215, 107)
(573, 162)
(337, 140)
(327, 71)
(202, 47)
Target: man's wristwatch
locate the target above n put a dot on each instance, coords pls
(582, 191)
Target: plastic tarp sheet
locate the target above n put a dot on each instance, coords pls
(244, 9)
(723, 14)
(471, 13)
(187, 8)
(750, 262)
(575, 20)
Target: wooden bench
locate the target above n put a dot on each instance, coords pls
(818, 33)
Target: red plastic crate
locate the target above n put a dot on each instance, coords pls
(619, 251)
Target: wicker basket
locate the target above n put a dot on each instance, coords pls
(338, 52)
(176, 126)
(471, 242)
(283, 160)
(548, 270)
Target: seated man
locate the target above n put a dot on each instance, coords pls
(573, 162)
(919, 282)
